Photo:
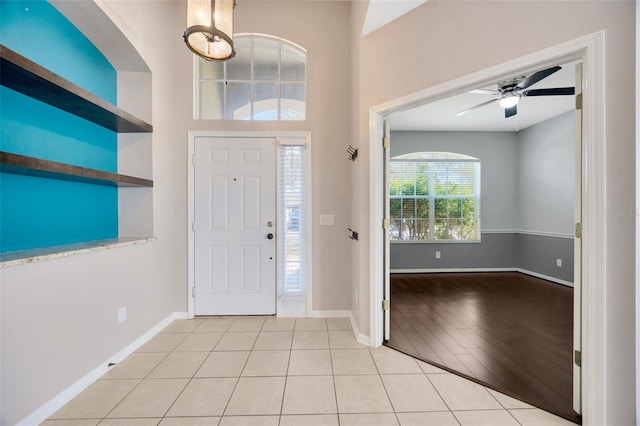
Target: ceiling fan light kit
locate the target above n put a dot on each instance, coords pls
(509, 101)
(510, 91)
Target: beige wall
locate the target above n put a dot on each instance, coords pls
(443, 40)
(321, 28)
(59, 317)
(359, 178)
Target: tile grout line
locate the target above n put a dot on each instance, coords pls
(395, 414)
(439, 394)
(131, 391)
(286, 380)
(226, 406)
(333, 378)
(253, 350)
(190, 380)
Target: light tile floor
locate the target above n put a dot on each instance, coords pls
(288, 372)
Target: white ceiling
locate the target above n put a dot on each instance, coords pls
(441, 115)
(381, 12)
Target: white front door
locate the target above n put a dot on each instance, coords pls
(235, 226)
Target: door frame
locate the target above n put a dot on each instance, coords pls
(279, 136)
(590, 49)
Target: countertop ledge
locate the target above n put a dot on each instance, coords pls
(23, 257)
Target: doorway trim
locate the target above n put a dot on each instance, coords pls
(279, 136)
(591, 50)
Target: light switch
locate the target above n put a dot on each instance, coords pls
(327, 219)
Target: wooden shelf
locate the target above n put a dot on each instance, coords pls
(27, 77)
(31, 166)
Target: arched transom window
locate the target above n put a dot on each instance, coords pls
(266, 80)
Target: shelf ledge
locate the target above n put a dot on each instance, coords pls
(27, 77)
(24, 257)
(31, 166)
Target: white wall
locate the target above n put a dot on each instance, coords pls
(546, 164)
(441, 41)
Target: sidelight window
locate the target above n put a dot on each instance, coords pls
(292, 187)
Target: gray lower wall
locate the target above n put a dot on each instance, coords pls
(534, 253)
(537, 253)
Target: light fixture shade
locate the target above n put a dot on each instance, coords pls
(509, 101)
(209, 32)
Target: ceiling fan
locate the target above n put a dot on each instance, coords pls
(510, 91)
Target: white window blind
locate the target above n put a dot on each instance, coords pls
(434, 196)
(292, 219)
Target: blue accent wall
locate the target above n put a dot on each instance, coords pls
(39, 212)
(37, 30)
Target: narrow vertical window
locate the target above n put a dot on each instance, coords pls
(292, 220)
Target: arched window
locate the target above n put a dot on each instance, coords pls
(266, 80)
(434, 196)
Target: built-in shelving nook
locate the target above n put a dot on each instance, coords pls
(134, 151)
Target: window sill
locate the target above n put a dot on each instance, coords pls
(23, 257)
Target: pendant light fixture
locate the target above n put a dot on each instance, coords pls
(209, 32)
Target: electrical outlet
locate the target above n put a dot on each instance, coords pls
(559, 263)
(437, 255)
(122, 315)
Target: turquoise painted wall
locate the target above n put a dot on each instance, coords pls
(37, 212)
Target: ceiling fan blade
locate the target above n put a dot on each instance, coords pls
(558, 91)
(485, 92)
(511, 111)
(537, 76)
(476, 107)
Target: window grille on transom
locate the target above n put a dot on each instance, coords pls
(266, 80)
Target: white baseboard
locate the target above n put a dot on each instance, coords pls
(180, 315)
(55, 403)
(523, 271)
(361, 338)
(546, 277)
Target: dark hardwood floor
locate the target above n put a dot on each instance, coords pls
(509, 331)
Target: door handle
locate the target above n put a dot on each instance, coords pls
(270, 236)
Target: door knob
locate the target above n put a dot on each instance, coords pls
(270, 236)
